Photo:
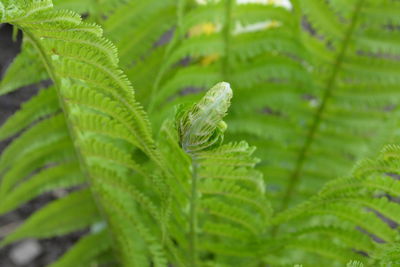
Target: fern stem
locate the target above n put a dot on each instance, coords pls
(295, 178)
(227, 31)
(193, 217)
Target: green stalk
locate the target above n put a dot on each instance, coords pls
(295, 178)
(227, 32)
(193, 217)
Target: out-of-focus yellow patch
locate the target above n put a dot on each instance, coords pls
(273, 24)
(204, 28)
(207, 60)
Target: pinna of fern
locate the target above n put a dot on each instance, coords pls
(354, 217)
(29, 59)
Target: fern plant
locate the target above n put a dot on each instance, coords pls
(295, 87)
(315, 90)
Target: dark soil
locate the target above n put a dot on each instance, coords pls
(51, 248)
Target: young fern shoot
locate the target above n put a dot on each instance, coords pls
(200, 128)
(221, 196)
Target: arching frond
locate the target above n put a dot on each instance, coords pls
(362, 204)
(87, 85)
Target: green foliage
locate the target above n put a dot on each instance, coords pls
(227, 207)
(33, 72)
(315, 89)
(76, 211)
(361, 206)
(86, 251)
(307, 98)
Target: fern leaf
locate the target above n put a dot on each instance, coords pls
(349, 237)
(75, 211)
(94, 149)
(50, 130)
(85, 251)
(124, 212)
(325, 249)
(50, 153)
(359, 201)
(83, 66)
(42, 105)
(61, 176)
(216, 182)
(33, 72)
(323, 18)
(148, 19)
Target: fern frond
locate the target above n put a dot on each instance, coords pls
(217, 185)
(43, 105)
(323, 19)
(53, 152)
(89, 85)
(61, 176)
(126, 193)
(95, 150)
(73, 212)
(343, 71)
(149, 20)
(325, 249)
(387, 254)
(348, 236)
(49, 130)
(248, 45)
(90, 247)
(360, 203)
(34, 71)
